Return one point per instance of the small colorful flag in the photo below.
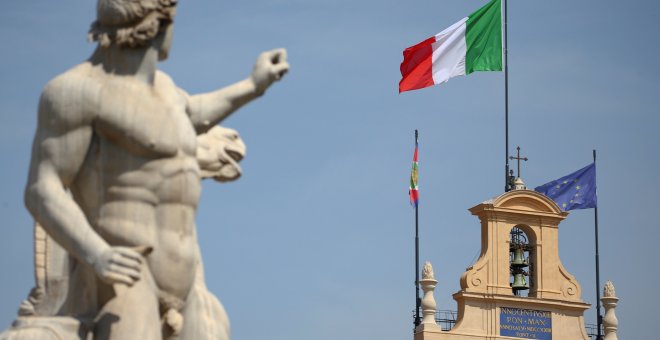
(414, 189)
(574, 191)
(472, 44)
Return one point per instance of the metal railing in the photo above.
(592, 331)
(446, 319)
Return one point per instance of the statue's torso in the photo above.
(140, 182)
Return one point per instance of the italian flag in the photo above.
(472, 44)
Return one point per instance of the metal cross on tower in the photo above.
(519, 159)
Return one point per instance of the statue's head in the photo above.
(134, 23)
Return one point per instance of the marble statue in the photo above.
(114, 183)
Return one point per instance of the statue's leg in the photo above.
(129, 312)
(204, 317)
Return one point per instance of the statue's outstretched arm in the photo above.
(64, 133)
(207, 110)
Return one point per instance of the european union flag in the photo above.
(574, 191)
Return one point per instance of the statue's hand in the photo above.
(120, 265)
(270, 67)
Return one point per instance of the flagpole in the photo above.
(507, 185)
(599, 318)
(417, 298)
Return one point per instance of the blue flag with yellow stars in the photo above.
(574, 191)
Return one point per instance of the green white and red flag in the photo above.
(472, 44)
(413, 192)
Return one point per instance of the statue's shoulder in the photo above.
(164, 80)
(77, 81)
(166, 85)
(72, 94)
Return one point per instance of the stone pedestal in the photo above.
(610, 322)
(428, 302)
(428, 283)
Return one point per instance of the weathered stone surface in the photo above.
(114, 184)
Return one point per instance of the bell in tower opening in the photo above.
(519, 249)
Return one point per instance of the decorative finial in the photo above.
(429, 306)
(609, 289)
(610, 322)
(518, 184)
(427, 272)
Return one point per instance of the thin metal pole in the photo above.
(507, 186)
(599, 319)
(418, 300)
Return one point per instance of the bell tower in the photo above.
(518, 288)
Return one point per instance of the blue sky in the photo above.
(315, 241)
